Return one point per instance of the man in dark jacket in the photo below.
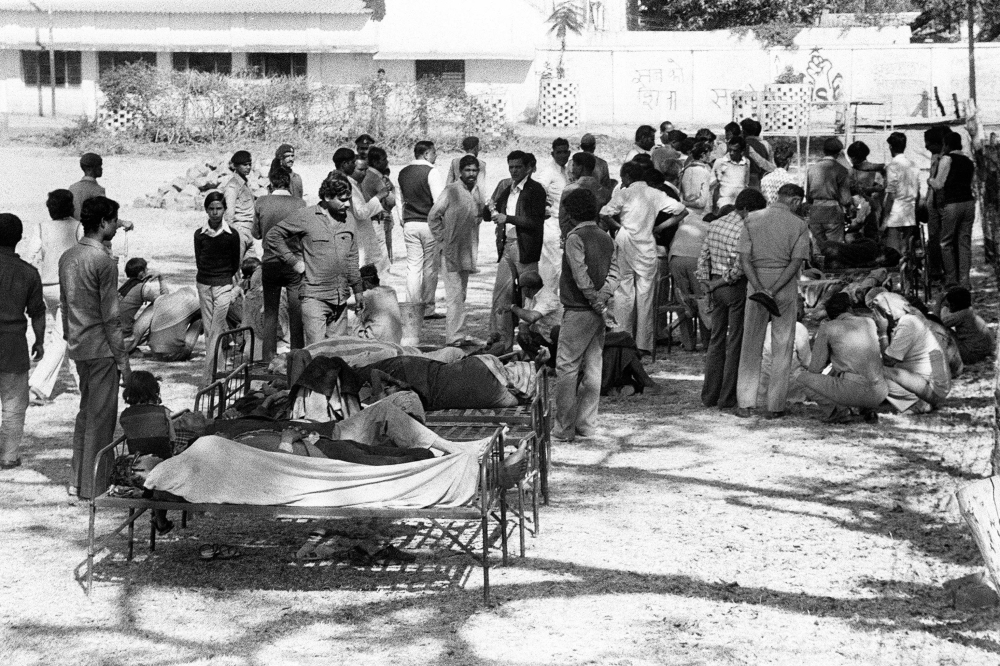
(518, 210)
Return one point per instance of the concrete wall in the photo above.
(638, 84)
(16, 97)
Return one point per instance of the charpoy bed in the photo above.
(487, 506)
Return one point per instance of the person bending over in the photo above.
(914, 363)
(850, 345)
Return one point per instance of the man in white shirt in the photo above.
(420, 185)
(730, 173)
(554, 176)
(645, 139)
(901, 192)
(638, 206)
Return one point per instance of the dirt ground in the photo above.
(679, 535)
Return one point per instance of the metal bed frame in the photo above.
(489, 503)
(537, 416)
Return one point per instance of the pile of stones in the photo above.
(188, 192)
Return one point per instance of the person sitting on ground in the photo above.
(945, 336)
(379, 316)
(915, 368)
(142, 286)
(850, 344)
(148, 428)
(976, 341)
(171, 326)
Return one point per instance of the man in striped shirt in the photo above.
(722, 278)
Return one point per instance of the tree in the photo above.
(938, 20)
(564, 20)
(377, 8)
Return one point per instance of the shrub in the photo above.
(183, 108)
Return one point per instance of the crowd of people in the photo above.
(580, 256)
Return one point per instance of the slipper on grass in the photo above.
(217, 551)
(392, 554)
(315, 537)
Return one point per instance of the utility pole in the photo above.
(52, 60)
(971, 12)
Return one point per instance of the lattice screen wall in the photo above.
(558, 103)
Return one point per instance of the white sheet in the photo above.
(215, 470)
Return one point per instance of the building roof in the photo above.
(189, 6)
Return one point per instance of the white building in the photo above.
(500, 47)
(489, 45)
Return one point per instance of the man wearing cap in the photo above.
(328, 261)
(453, 221)
(589, 278)
(370, 181)
(284, 158)
(828, 193)
(240, 201)
(773, 244)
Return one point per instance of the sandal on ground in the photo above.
(392, 554)
(10, 465)
(315, 537)
(218, 551)
(359, 557)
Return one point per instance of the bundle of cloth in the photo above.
(814, 289)
(474, 382)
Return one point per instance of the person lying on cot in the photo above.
(381, 434)
(474, 382)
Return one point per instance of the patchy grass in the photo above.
(680, 535)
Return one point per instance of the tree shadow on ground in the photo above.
(891, 606)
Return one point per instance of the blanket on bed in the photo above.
(215, 470)
(357, 352)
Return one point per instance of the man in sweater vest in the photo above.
(269, 210)
(420, 184)
(589, 278)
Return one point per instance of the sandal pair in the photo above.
(218, 551)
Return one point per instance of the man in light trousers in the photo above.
(589, 278)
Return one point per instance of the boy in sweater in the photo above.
(589, 278)
(217, 248)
